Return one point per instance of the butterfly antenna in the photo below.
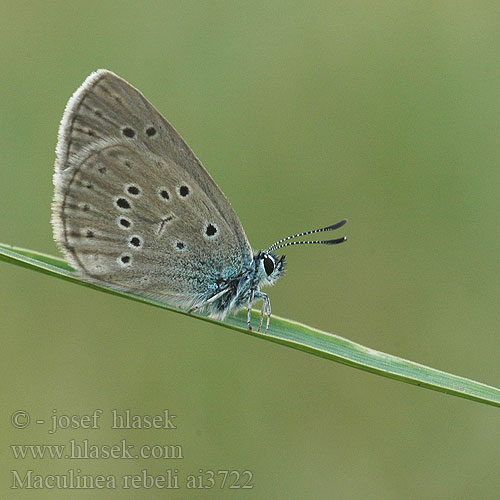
(281, 243)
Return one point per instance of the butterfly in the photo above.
(136, 210)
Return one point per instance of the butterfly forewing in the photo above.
(133, 205)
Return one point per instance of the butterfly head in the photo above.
(269, 267)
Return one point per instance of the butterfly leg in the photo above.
(249, 308)
(209, 301)
(265, 309)
(261, 315)
(268, 314)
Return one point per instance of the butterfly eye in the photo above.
(268, 265)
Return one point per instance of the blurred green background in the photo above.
(386, 113)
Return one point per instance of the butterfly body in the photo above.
(240, 289)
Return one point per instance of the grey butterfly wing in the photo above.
(133, 206)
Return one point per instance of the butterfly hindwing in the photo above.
(133, 206)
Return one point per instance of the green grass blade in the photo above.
(292, 334)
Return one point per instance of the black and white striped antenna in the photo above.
(281, 243)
